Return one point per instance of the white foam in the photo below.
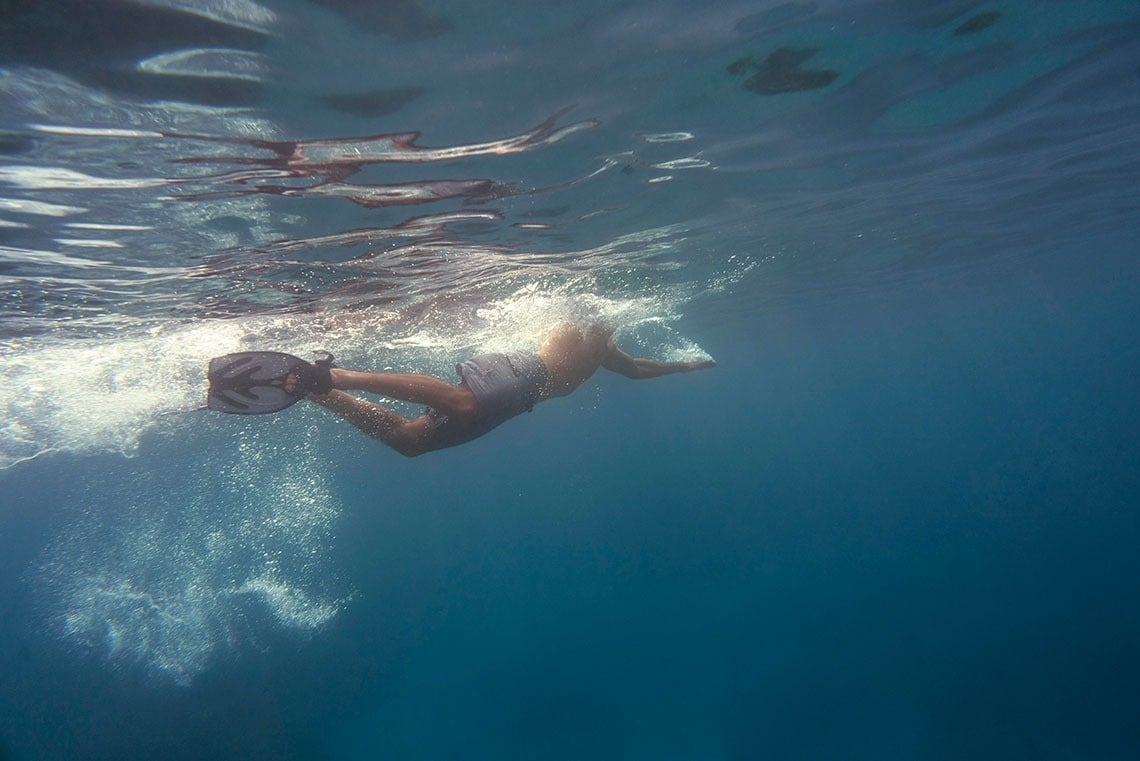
(243, 14)
(88, 243)
(685, 163)
(292, 606)
(166, 585)
(101, 394)
(65, 129)
(221, 63)
(667, 137)
(9, 254)
(60, 178)
(42, 208)
(108, 227)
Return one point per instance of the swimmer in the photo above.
(493, 388)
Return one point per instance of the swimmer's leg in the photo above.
(408, 437)
(455, 401)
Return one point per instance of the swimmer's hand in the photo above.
(702, 364)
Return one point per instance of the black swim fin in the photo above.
(253, 382)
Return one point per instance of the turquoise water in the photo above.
(897, 520)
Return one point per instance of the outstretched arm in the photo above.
(619, 362)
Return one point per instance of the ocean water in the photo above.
(898, 520)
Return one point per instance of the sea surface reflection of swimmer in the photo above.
(493, 387)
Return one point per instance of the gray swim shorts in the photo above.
(505, 385)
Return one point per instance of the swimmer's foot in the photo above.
(292, 380)
(262, 382)
(314, 378)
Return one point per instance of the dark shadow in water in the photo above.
(781, 72)
(372, 104)
(15, 143)
(781, 15)
(101, 43)
(403, 20)
(977, 23)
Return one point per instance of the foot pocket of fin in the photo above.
(254, 382)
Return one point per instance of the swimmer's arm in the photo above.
(619, 362)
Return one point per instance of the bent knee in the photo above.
(410, 447)
(411, 439)
(411, 450)
(463, 403)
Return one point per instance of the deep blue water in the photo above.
(898, 520)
